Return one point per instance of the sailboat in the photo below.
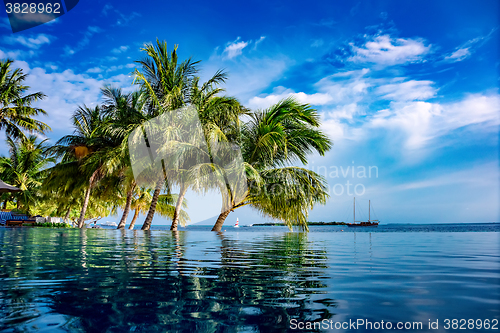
(370, 223)
(237, 225)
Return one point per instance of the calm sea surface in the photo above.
(259, 279)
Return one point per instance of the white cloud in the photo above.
(465, 50)
(346, 87)
(347, 102)
(120, 49)
(91, 30)
(407, 90)
(317, 43)
(65, 91)
(105, 9)
(31, 42)
(422, 122)
(247, 76)
(10, 54)
(459, 55)
(94, 70)
(281, 93)
(235, 48)
(384, 50)
(260, 40)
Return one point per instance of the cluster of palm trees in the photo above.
(89, 174)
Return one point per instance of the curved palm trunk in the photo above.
(126, 210)
(81, 219)
(220, 220)
(66, 217)
(177, 211)
(132, 224)
(149, 218)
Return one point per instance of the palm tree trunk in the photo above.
(220, 221)
(177, 211)
(66, 217)
(149, 218)
(126, 210)
(132, 224)
(81, 219)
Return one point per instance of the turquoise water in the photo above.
(248, 280)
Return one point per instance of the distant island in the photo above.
(271, 224)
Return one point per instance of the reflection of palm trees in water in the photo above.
(267, 284)
(152, 282)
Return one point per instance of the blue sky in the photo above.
(409, 88)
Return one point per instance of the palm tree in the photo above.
(125, 113)
(16, 109)
(165, 207)
(25, 168)
(85, 150)
(272, 140)
(220, 120)
(166, 84)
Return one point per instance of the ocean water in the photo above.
(262, 279)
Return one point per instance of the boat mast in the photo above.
(369, 209)
(354, 211)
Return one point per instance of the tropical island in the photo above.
(308, 223)
(89, 174)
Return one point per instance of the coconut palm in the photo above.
(272, 140)
(125, 112)
(220, 120)
(142, 201)
(166, 84)
(16, 110)
(25, 168)
(86, 149)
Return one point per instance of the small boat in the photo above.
(109, 224)
(369, 223)
(237, 225)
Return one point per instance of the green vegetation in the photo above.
(16, 112)
(88, 175)
(52, 225)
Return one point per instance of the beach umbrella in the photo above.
(4, 188)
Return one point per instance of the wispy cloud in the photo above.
(459, 55)
(399, 90)
(120, 49)
(465, 50)
(67, 90)
(317, 43)
(235, 48)
(34, 42)
(260, 40)
(94, 70)
(280, 93)
(107, 7)
(385, 50)
(422, 122)
(10, 54)
(87, 35)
